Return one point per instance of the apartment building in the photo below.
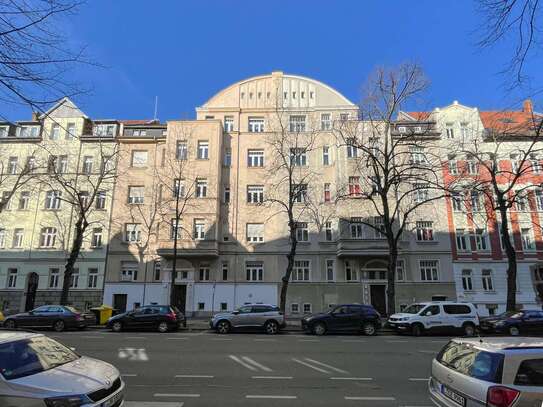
(37, 223)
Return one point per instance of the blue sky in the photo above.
(185, 51)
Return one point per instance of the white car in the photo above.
(37, 371)
(437, 317)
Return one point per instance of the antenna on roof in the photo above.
(156, 107)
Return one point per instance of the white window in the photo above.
(357, 229)
(297, 123)
(101, 200)
(486, 278)
(350, 273)
(302, 232)
(420, 193)
(298, 157)
(54, 275)
(24, 200)
(254, 271)
(129, 271)
(18, 236)
(328, 232)
(178, 190)
(527, 236)
(87, 164)
(453, 165)
(521, 202)
(225, 271)
(132, 232)
(379, 227)
(105, 130)
(228, 123)
(475, 201)
(28, 131)
(2, 238)
(48, 237)
(300, 193)
(327, 193)
(301, 271)
(62, 164)
(175, 229)
(199, 229)
(204, 272)
(400, 270)
(461, 240)
(457, 204)
(343, 117)
(227, 157)
(3, 131)
(74, 278)
(256, 124)
(181, 151)
(307, 308)
(535, 163)
(467, 281)
(255, 232)
(481, 240)
(55, 132)
(429, 270)
(330, 270)
(201, 188)
(136, 195)
(255, 194)
(92, 278)
(425, 231)
(96, 237)
(6, 199)
(401, 129)
(70, 131)
(473, 167)
(352, 150)
(449, 128)
(226, 196)
(464, 130)
(515, 163)
(294, 308)
(12, 165)
(326, 121)
(417, 155)
(12, 278)
(203, 150)
(255, 158)
(539, 199)
(84, 197)
(325, 155)
(139, 158)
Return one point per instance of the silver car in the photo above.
(37, 371)
(494, 372)
(263, 316)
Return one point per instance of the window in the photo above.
(473, 167)
(255, 158)
(54, 276)
(18, 236)
(228, 123)
(453, 165)
(2, 238)
(528, 242)
(328, 231)
(417, 155)
(456, 309)
(350, 273)
(425, 231)
(356, 229)
(129, 271)
(254, 271)
(298, 157)
(300, 193)
(420, 193)
(199, 229)
(181, 152)
(55, 132)
(330, 270)
(354, 186)
(132, 232)
(255, 232)
(225, 271)
(400, 272)
(515, 163)
(327, 195)
(6, 201)
(84, 197)
(24, 200)
(12, 165)
(297, 123)
(307, 308)
(294, 308)
(136, 195)
(31, 163)
(203, 150)
(201, 188)
(530, 373)
(74, 278)
(12, 278)
(481, 240)
(429, 270)
(104, 130)
(488, 283)
(226, 196)
(204, 272)
(475, 201)
(521, 202)
(256, 124)
(325, 155)
(28, 131)
(539, 199)
(139, 158)
(175, 229)
(101, 200)
(178, 188)
(70, 131)
(92, 278)
(302, 232)
(467, 282)
(343, 117)
(201, 306)
(255, 194)
(535, 163)
(449, 128)
(352, 151)
(48, 237)
(461, 241)
(301, 270)
(4, 131)
(224, 306)
(227, 157)
(326, 121)
(456, 198)
(87, 164)
(96, 240)
(379, 227)
(464, 130)
(62, 164)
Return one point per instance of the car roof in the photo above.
(443, 303)
(10, 336)
(259, 304)
(499, 344)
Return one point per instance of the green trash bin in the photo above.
(103, 313)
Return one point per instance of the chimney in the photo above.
(527, 106)
(35, 116)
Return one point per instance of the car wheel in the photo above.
(59, 325)
(417, 329)
(319, 329)
(10, 324)
(117, 326)
(514, 331)
(271, 327)
(469, 329)
(223, 327)
(162, 327)
(369, 329)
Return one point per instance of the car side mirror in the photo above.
(428, 314)
(235, 312)
(30, 312)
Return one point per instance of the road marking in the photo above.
(318, 369)
(252, 396)
(255, 363)
(128, 374)
(221, 339)
(152, 404)
(265, 340)
(352, 378)
(241, 362)
(418, 379)
(177, 339)
(396, 341)
(308, 340)
(335, 369)
(135, 337)
(369, 398)
(92, 337)
(175, 395)
(273, 377)
(354, 340)
(195, 376)
(433, 352)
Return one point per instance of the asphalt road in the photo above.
(206, 369)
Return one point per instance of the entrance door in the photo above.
(31, 288)
(119, 302)
(179, 297)
(378, 298)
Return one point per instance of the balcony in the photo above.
(361, 247)
(189, 248)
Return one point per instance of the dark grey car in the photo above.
(251, 316)
(57, 317)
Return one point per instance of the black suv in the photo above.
(157, 317)
(344, 318)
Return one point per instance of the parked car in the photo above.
(437, 317)
(514, 323)
(495, 372)
(37, 371)
(57, 317)
(250, 316)
(149, 317)
(344, 318)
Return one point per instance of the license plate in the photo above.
(110, 402)
(457, 398)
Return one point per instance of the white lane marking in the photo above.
(354, 340)
(175, 395)
(152, 404)
(352, 378)
(335, 369)
(135, 337)
(433, 352)
(128, 374)
(195, 376)
(418, 379)
(308, 340)
(369, 398)
(273, 377)
(241, 362)
(92, 337)
(318, 369)
(221, 339)
(177, 339)
(255, 363)
(253, 396)
(396, 341)
(265, 340)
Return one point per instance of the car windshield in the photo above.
(413, 308)
(72, 309)
(506, 314)
(30, 356)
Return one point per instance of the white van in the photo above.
(437, 317)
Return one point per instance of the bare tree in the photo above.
(14, 176)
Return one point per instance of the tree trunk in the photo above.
(174, 261)
(391, 279)
(290, 265)
(511, 261)
(80, 228)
